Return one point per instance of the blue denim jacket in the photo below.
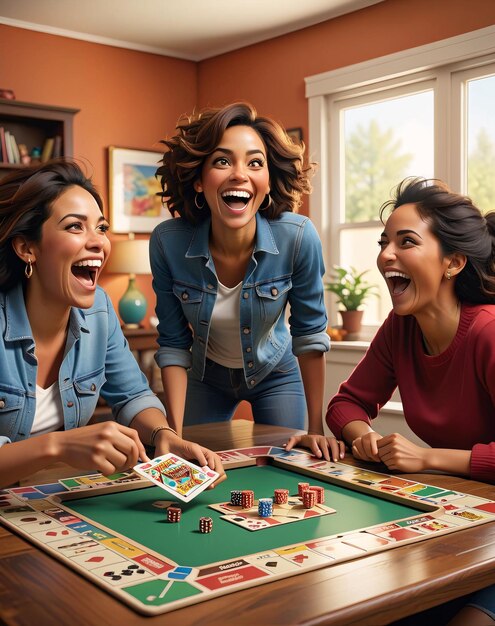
(286, 267)
(97, 359)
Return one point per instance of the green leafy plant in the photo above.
(349, 287)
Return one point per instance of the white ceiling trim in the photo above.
(106, 41)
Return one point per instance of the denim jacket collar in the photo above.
(18, 326)
(265, 242)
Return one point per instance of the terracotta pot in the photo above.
(351, 320)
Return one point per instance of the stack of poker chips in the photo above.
(320, 493)
(301, 488)
(235, 497)
(205, 525)
(247, 499)
(281, 496)
(265, 507)
(173, 514)
(309, 498)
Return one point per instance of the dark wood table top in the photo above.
(378, 589)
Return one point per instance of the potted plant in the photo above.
(351, 291)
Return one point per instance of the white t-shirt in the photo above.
(49, 415)
(224, 341)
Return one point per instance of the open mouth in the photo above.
(86, 271)
(397, 282)
(236, 200)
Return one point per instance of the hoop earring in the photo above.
(199, 206)
(448, 275)
(268, 205)
(28, 270)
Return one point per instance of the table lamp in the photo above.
(131, 256)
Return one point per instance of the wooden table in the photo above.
(374, 590)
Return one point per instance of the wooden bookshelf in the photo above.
(32, 124)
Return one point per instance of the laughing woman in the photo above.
(61, 344)
(225, 270)
(437, 256)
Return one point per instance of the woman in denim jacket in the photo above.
(225, 269)
(61, 344)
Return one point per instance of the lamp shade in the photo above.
(131, 257)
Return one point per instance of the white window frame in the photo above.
(445, 63)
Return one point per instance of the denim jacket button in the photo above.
(246, 331)
(210, 286)
(93, 387)
(245, 295)
(250, 364)
(274, 291)
(252, 382)
(2, 403)
(185, 295)
(248, 349)
(70, 404)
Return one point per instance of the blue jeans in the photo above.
(278, 399)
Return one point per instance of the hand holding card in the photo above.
(183, 479)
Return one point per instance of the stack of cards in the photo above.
(179, 477)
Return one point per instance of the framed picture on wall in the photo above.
(295, 134)
(134, 205)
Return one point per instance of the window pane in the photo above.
(481, 142)
(359, 248)
(385, 142)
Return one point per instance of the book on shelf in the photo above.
(15, 150)
(8, 146)
(57, 147)
(3, 147)
(47, 152)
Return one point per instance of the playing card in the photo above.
(179, 477)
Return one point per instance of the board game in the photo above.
(115, 532)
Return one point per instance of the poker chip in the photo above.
(205, 524)
(235, 497)
(173, 514)
(281, 496)
(320, 493)
(247, 499)
(309, 499)
(301, 488)
(265, 507)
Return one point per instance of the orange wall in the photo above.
(271, 74)
(133, 99)
(126, 98)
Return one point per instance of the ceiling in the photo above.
(186, 29)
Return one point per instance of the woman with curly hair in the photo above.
(225, 269)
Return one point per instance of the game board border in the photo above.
(341, 474)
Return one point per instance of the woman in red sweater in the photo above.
(437, 256)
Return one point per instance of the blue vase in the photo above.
(132, 305)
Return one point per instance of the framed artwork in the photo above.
(134, 205)
(295, 134)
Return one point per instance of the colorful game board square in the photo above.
(122, 573)
(159, 592)
(93, 560)
(272, 563)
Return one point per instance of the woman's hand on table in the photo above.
(398, 453)
(365, 447)
(330, 448)
(167, 441)
(107, 447)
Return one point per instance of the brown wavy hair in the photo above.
(460, 227)
(26, 197)
(198, 136)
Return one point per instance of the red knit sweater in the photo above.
(448, 400)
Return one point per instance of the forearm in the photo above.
(23, 458)
(448, 461)
(354, 429)
(145, 422)
(174, 379)
(312, 366)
